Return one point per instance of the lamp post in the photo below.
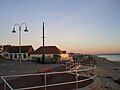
(14, 31)
(43, 56)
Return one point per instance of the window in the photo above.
(15, 56)
(28, 54)
(24, 55)
(11, 56)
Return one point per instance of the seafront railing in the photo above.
(89, 72)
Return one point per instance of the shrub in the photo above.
(39, 60)
(50, 61)
(1, 58)
(56, 58)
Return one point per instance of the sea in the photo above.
(111, 57)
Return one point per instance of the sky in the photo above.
(82, 26)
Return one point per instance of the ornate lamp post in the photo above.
(14, 31)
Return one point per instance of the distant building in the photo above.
(71, 55)
(12, 52)
(1, 50)
(50, 51)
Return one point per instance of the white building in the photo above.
(50, 51)
(12, 52)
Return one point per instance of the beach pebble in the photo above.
(116, 69)
(108, 77)
(117, 80)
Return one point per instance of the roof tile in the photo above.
(48, 50)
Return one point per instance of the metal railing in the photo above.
(89, 72)
(70, 64)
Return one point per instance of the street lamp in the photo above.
(14, 31)
(43, 56)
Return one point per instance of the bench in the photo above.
(45, 70)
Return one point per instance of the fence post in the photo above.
(45, 81)
(76, 80)
(66, 66)
(5, 85)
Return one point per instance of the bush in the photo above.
(1, 58)
(56, 58)
(50, 61)
(39, 60)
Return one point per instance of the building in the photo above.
(12, 52)
(1, 49)
(49, 51)
(71, 55)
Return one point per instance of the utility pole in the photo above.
(43, 56)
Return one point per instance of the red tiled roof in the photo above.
(5, 47)
(48, 50)
(15, 49)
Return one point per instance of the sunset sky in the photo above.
(83, 26)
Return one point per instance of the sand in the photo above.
(13, 67)
(38, 80)
(108, 72)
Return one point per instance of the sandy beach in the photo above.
(108, 72)
(108, 75)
